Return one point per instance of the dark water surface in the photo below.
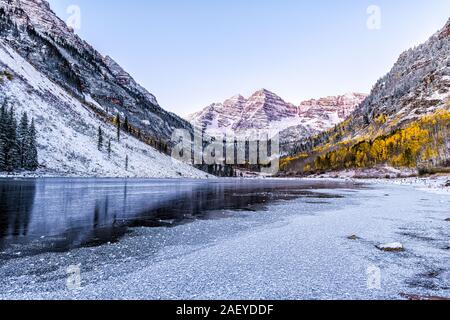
(61, 214)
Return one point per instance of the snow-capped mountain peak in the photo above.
(264, 110)
(38, 14)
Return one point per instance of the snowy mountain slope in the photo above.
(44, 40)
(403, 123)
(418, 84)
(68, 129)
(264, 110)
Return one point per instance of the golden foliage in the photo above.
(424, 141)
(284, 162)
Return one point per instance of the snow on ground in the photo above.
(295, 250)
(378, 172)
(68, 130)
(439, 184)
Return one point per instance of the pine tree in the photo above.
(31, 158)
(117, 121)
(109, 148)
(22, 134)
(126, 125)
(3, 126)
(12, 157)
(100, 139)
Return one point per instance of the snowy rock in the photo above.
(391, 247)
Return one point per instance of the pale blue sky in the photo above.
(192, 53)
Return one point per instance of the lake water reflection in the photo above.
(60, 214)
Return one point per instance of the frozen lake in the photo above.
(61, 214)
(224, 239)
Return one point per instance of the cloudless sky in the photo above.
(192, 53)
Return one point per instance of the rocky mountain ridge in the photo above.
(264, 110)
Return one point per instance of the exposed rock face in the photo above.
(239, 114)
(320, 115)
(44, 40)
(264, 110)
(327, 108)
(445, 32)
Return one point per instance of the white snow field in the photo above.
(297, 249)
(68, 130)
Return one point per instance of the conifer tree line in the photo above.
(18, 147)
(124, 127)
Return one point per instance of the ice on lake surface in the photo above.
(224, 239)
(60, 214)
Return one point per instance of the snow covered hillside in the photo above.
(47, 43)
(403, 123)
(68, 129)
